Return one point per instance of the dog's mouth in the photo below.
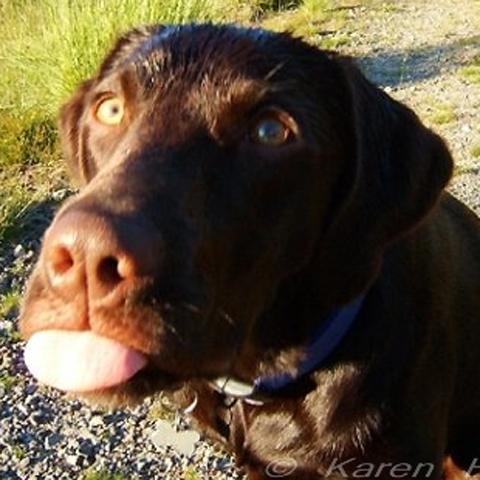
(95, 368)
(94, 363)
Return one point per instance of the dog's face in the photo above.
(217, 166)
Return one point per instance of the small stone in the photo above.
(23, 463)
(87, 448)
(53, 439)
(61, 194)
(169, 463)
(222, 463)
(30, 390)
(73, 460)
(38, 419)
(96, 421)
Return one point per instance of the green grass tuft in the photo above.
(8, 382)
(92, 474)
(9, 302)
(191, 473)
(162, 409)
(19, 452)
(310, 20)
(475, 151)
(439, 113)
(471, 73)
(22, 188)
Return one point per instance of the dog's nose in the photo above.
(86, 251)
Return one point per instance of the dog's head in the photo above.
(223, 171)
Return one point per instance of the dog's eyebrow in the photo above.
(240, 95)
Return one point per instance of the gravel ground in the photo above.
(416, 50)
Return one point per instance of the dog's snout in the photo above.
(85, 251)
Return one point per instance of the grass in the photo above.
(29, 165)
(443, 115)
(8, 381)
(191, 473)
(16, 336)
(439, 113)
(92, 474)
(475, 151)
(471, 72)
(313, 19)
(19, 452)
(9, 302)
(162, 409)
(23, 186)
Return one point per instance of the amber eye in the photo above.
(109, 110)
(271, 131)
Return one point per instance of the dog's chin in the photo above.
(144, 384)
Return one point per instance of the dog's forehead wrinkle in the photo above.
(160, 68)
(217, 96)
(195, 51)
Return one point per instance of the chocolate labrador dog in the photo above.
(265, 233)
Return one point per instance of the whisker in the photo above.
(226, 316)
(274, 70)
(191, 308)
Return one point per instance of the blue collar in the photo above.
(331, 332)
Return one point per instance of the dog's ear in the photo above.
(402, 168)
(72, 138)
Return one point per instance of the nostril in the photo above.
(63, 268)
(108, 272)
(60, 261)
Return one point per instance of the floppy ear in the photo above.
(73, 139)
(401, 170)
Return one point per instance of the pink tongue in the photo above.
(80, 361)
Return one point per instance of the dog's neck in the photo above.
(325, 340)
